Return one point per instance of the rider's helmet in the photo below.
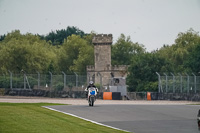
(91, 83)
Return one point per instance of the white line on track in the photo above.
(85, 119)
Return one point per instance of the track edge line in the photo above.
(85, 119)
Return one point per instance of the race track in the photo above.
(140, 118)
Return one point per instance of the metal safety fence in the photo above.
(41, 84)
(178, 83)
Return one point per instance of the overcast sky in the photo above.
(148, 22)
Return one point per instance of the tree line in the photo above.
(71, 50)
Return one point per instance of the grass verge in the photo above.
(32, 118)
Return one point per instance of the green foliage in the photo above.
(151, 86)
(4, 82)
(2, 37)
(184, 46)
(70, 85)
(142, 71)
(32, 81)
(17, 81)
(25, 52)
(76, 54)
(59, 86)
(57, 37)
(30, 53)
(192, 62)
(183, 56)
(124, 49)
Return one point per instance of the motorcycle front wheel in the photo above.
(91, 102)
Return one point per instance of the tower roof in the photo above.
(102, 39)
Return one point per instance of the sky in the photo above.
(152, 23)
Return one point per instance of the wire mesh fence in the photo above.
(41, 84)
(171, 87)
(179, 84)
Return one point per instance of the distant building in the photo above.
(103, 72)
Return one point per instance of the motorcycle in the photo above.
(92, 96)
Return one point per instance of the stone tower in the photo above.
(103, 71)
(102, 52)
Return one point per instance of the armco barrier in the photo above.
(154, 96)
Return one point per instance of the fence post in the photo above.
(50, 82)
(64, 79)
(195, 83)
(76, 80)
(173, 81)
(10, 79)
(38, 80)
(181, 82)
(166, 82)
(25, 79)
(188, 80)
(159, 82)
(22, 71)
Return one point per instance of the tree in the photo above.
(57, 37)
(2, 37)
(77, 53)
(192, 62)
(124, 49)
(142, 72)
(185, 44)
(26, 52)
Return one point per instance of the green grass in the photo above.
(32, 118)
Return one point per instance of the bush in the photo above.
(59, 86)
(32, 81)
(151, 86)
(17, 82)
(70, 85)
(4, 82)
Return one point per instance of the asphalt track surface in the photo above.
(140, 118)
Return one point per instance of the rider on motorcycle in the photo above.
(91, 84)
